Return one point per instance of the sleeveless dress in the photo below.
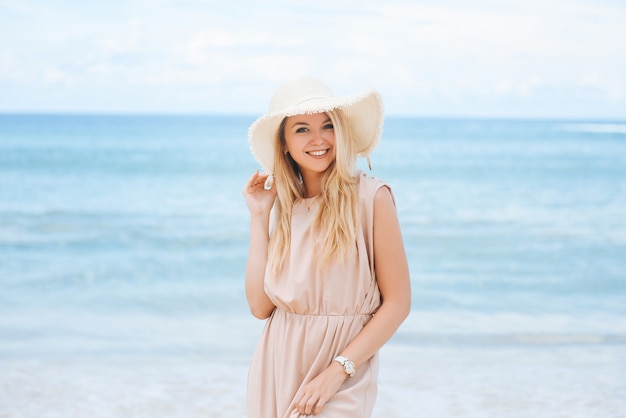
(318, 313)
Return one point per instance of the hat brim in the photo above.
(364, 114)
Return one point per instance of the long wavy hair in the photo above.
(336, 222)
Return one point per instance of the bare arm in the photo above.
(259, 203)
(392, 275)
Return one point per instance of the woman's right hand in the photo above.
(258, 199)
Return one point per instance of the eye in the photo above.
(329, 126)
(301, 130)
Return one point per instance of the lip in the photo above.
(319, 153)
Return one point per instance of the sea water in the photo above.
(123, 243)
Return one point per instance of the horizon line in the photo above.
(254, 116)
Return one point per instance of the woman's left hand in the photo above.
(315, 394)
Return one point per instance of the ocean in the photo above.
(123, 242)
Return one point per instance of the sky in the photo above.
(447, 58)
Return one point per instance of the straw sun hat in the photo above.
(307, 95)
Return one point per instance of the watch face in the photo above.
(349, 368)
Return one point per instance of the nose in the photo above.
(321, 135)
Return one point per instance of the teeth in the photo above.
(318, 153)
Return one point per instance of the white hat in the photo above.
(307, 95)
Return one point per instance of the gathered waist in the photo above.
(279, 310)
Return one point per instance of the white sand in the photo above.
(436, 381)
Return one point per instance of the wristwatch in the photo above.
(348, 365)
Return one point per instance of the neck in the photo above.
(312, 184)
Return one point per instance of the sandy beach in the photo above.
(562, 380)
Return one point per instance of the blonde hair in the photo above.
(337, 220)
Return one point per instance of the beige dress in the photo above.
(318, 313)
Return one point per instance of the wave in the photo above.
(596, 128)
(523, 339)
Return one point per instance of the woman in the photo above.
(328, 268)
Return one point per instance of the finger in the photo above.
(319, 405)
(254, 182)
(310, 405)
(250, 181)
(262, 177)
(301, 404)
(254, 178)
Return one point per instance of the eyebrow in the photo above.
(306, 124)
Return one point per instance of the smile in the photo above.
(318, 153)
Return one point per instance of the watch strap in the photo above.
(347, 364)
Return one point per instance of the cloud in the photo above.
(53, 75)
(218, 55)
(437, 57)
(124, 43)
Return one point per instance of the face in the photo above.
(310, 140)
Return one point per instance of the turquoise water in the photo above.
(128, 234)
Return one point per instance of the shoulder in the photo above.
(372, 188)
